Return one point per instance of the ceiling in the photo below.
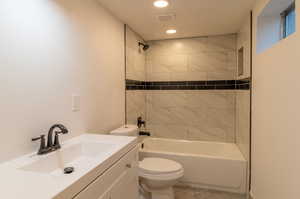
(193, 17)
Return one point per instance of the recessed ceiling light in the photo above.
(171, 31)
(161, 3)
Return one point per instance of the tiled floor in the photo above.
(190, 193)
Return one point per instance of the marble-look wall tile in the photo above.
(205, 58)
(243, 122)
(159, 76)
(212, 99)
(220, 75)
(209, 62)
(194, 115)
(169, 131)
(135, 57)
(177, 46)
(222, 42)
(135, 105)
(167, 63)
(199, 132)
(135, 70)
(243, 96)
(184, 76)
(165, 98)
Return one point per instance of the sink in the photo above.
(79, 155)
(42, 176)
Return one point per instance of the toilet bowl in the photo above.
(158, 176)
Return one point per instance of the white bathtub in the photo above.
(212, 165)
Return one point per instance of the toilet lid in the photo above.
(159, 166)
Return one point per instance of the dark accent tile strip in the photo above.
(242, 84)
(243, 81)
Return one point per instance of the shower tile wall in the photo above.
(135, 70)
(204, 58)
(136, 105)
(243, 96)
(194, 114)
(243, 122)
(211, 115)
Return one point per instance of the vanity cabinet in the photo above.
(126, 187)
(120, 181)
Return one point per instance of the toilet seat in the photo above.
(160, 169)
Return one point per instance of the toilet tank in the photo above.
(126, 130)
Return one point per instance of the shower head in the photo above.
(145, 46)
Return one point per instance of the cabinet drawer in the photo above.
(103, 183)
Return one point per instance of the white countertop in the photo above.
(19, 184)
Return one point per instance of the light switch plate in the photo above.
(75, 103)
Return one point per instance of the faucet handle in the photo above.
(42, 137)
(141, 122)
(43, 149)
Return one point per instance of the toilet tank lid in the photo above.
(128, 128)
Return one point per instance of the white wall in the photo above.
(51, 49)
(276, 136)
(269, 32)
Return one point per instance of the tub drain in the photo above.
(68, 170)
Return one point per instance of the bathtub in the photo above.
(210, 165)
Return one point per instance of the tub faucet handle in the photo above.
(141, 122)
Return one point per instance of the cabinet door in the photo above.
(126, 187)
(105, 182)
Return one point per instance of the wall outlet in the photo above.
(75, 103)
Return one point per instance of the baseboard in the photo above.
(209, 187)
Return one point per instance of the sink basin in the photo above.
(79, 155)
(42, 176)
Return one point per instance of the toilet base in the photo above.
(167, 193)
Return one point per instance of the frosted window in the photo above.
(276, 22)
(289, 21)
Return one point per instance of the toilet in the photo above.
(157, 175)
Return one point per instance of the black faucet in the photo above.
(55, 145)
(43, 149)
(51, 146)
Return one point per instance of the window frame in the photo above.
(284, 15)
